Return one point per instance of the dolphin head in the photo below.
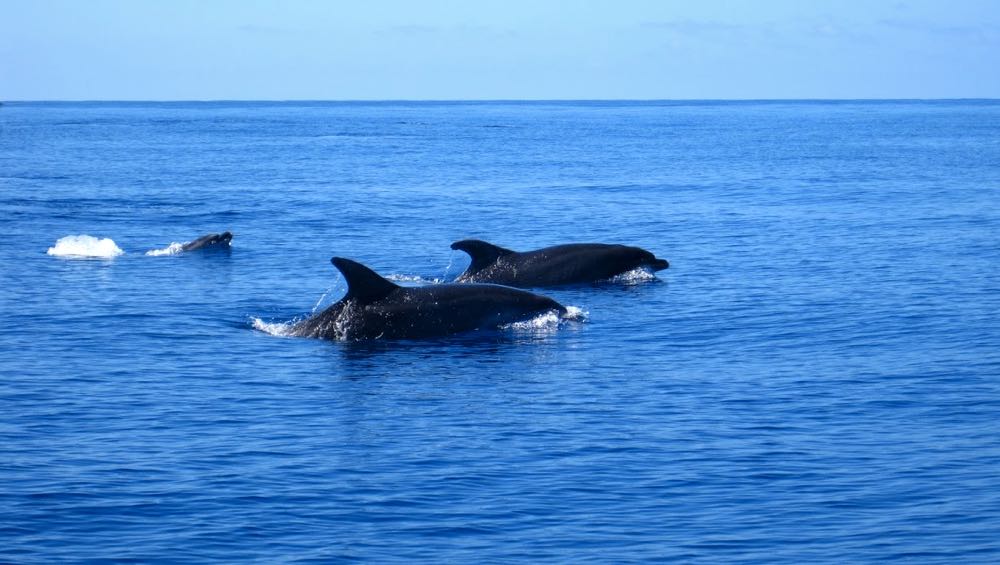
(536, 303)
(210, 241)
(648, 260)
(659, 264)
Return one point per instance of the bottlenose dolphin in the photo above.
(375, 308)
(212, 240)
(575, 263)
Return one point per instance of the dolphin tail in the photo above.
(483, 254)
(363, 284)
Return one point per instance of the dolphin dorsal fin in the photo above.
(363, 284)
(483, 254)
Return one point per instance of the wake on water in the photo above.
(545, 322)
(172, 249)
(88, 246)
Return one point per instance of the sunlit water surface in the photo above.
(815, 379)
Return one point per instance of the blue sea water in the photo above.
(816, 378)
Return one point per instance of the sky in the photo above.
(490, 50)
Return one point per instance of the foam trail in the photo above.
(172, 249)
(85, 246)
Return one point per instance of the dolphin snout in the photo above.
(660, 264)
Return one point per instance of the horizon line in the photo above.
(480, 100)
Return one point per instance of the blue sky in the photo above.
(510, 49)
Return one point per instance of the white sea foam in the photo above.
(634, 276)
(576, 314)
(272, 328)
(85, 246)
(547, 321)
(172, 249)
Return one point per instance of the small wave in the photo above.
(85, 246)
(172, 249)
(34, 177)
(634, 276)
(281, 329)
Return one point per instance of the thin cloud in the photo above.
(982, 32)
(695, 27)
(680, 32)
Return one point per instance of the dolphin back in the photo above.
(573, 263)
(363, 284)
(376, 308)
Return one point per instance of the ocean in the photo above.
(816, 377)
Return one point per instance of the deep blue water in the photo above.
(815, 379)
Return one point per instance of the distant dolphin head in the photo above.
(223, 239)
(210, 241)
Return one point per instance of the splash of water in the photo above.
(634, 276)
(547, 321)
(85, 246)
(322, 299)
(576, 314)
(280, 329)
(172, 249)
(447, 270)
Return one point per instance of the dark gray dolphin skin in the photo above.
(210, 241)
(575, 263)
(375, 308)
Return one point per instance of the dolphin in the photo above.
(376, 308)
(210, 241)
(575, 263)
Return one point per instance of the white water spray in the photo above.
(85, 246)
